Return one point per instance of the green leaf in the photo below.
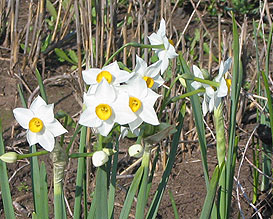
(73, 56)
(4, 182)
(101, 193)
(44, 192)
(51, 9)
(80, 175)
(131, 194)
(176, 215)
(164, 180)
(62, 55)
(198, 118)
(208, 203)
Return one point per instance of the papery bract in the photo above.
(40, 123)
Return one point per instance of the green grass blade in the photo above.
(198, 118)
(35, 171)
(266, 84)
(131, 194)
(101, 193)
(176, 216)
(44, 191)
(112, 186)
(80, 175)
(235, 91)
(164, 180)
(41, 85)
(208, 203)
(4, 182)
(152, 172)
(141, 199)
(256, 151)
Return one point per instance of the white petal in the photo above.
(122, 76)
(105, 128)
(148, 115)
(165, 61)
(137, 87)
(223, 89)
(155, 39)
(37, 103)
(171, 52)
(153, 70)
(56, 128)
(205, 105)
(105, 92)
(123, 132)
(23, 116)
(45, 113)
(123, 113)
(135, 124)
(90, 76)
(141, 65)
(162, 28)
(211, 104)
(197, 72)
(151, 97)
(158, 81)
(46, 140)
(32, 138)
(196, 85)
(89, 118)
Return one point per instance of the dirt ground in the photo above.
(186, 181)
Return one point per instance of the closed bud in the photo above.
(136, 151)
(99, 158)
(9, 157)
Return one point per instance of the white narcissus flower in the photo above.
(40, 123)
(105, 107)
(142, 100)
(150, 74)
(213, 97)
(168, 52)
(197, 73)
(111, 73)
(99, 158)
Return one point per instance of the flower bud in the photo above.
(136, 151)
(99, 158)
(9, 157)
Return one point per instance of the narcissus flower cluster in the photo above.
(213, 95)
(114, 96)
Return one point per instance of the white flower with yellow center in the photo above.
(150, 74)
(40, 123)
(168, 52)
(105, 107)
(111, 73)
(142, 100)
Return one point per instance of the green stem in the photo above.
(22, 156)
(133, 44)
(79, 155)
(201, 90)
